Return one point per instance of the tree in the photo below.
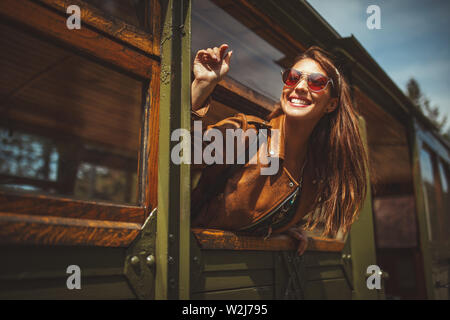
(416, 96)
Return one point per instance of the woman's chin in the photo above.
(297, 111)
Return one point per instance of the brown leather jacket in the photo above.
(233, 197)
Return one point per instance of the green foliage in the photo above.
(416, 96)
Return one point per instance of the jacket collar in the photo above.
(277, 141)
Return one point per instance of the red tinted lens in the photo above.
(317, 81)
(291, 77)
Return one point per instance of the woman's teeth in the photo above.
(299, 101)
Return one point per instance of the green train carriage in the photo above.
(86, 178)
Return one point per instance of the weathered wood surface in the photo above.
(36, 205)
(45, 230)
(218, 239)
(228, 86)
(151, 145)
(146, 41)
(86, 39)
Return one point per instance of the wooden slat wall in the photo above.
(40, 273)
(389, 153)
(263, 275)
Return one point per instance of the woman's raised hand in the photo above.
(212, 64)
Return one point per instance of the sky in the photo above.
(414, 40)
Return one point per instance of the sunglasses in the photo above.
(316, 81)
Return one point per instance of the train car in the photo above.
(92, 207)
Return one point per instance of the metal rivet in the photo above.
(291, 184)
(171, 238)
(170, 260)
(172, 283)
(134, 260)
(196, 260)
(150, 260)
(346, 256)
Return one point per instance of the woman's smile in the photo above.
(298, 101)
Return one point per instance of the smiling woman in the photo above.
(322, 171)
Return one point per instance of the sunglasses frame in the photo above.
(307, 75)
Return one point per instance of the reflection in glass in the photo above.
(69, 126)
(134, 12)
(444, 176)
(254, 61)
(429, 193)
(444, 182)
(27, 156)
(395, 222)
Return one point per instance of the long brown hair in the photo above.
(336, 151)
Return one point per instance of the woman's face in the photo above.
(300, 103)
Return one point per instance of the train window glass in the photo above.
(134, 12)
(444, 179)
(429, 190)
(443, 176)
(395, 221)
(69, 126)
(254, 63)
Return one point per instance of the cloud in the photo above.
(414, 40)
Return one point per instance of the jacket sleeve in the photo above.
(204, 138)
(205, 178)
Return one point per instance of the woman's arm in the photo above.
(210, 66)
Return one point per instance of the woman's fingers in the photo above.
(301, 237)
(303, 245)
(222, 49)
(227, 57)
(216, 54)
(212, 54)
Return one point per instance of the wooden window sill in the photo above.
(225, 240)
(47, 230)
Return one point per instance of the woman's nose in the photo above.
(302, 85)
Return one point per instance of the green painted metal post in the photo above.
(173, 223)
(185, 208)
(362, 242)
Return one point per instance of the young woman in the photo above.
(322, 168)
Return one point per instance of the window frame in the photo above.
(42, 219)
(231, 92)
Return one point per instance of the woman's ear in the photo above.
(332, 105)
